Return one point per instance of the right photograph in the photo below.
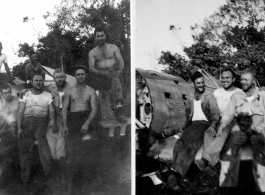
(200, 97)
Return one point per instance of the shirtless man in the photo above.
(106, 59)
(7, 78)
(8, 119)
(33, 120)
(80, 100)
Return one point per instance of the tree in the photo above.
(233, 36)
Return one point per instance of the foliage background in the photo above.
(232, 37)
(70, 36)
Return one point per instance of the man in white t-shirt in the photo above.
(33, 120)
(212, 144)
(202, 115)
(4, 78)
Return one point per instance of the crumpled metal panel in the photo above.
(168, 94)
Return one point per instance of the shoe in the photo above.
(173, 180)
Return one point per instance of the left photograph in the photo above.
(65, 98)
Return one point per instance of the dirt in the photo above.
(199, 184)
(106, 171)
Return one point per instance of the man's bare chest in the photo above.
(79, 96)
(104, 55)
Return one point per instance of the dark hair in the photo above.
(195, 76)
(38, 74)
(249, 71)
(58, 70)
(4, 86)
(99, 29)
(229, 70)
(81, 67)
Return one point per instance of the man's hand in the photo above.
(19, 133)
(65, 131)
(220, 132)
(84, 128)
(51, 124)
(113, 73)
(211, 131)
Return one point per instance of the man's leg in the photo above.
(258, 146)
(213, 146)
(187, 146)
(117, 98)
(40, 126)
(72, 142)
(52, 141)
(230, 159)
(25, 146)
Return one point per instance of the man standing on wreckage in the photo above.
(202, 115)
(248, 106)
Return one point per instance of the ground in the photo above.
(199, 184)
(108, 164)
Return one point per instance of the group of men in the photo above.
(59, 118)
(222, 123)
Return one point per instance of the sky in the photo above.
(150, 19)
(14, 31)
(151, 33)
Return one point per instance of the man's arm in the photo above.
(93, 103)
(118, 57)
(7, 68)
(52, 117)
(261, 127)
(20, 115)
(66, 103)
(228, 116)
(28, 73)
(215, 115)
(214, 111)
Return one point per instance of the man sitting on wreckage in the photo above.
(202, 115)
(212, 144)
(248, 107)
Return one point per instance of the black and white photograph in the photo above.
(200, 102)
(65, 97)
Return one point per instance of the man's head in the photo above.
(6, 91)
(227, 78)
(80, 74)
(247, 79)
(100, 36)
(59, 77)
(34, 58)
(38, 81)
(198, 81)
